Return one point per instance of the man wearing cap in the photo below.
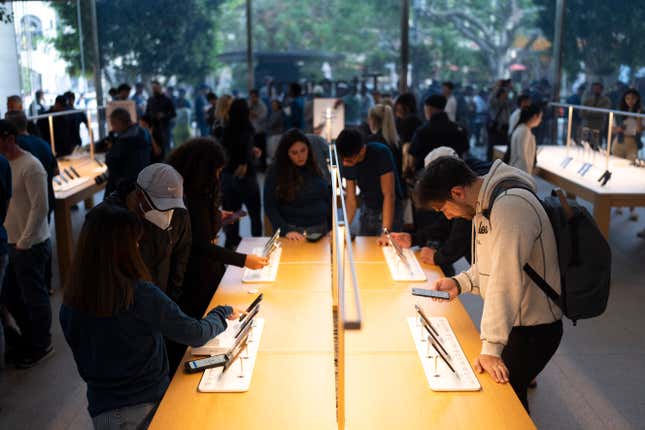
(157, 198)
(437, 131)
(27, 296)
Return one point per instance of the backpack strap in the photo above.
(530, 272)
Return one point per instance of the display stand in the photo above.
(440, 377)
(268, 273)
(223, 342)
(237, 377)
(406, 269)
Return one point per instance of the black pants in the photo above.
(527, 352)
(238, 191)
(260, 140)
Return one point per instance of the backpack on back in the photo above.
(584, 255)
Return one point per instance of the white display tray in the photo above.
(268, 273)
(440, 377)
(71, 183)
(237, 378)
(399, 270)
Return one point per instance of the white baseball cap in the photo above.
(442, 151)
(163, 186)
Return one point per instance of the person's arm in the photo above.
(350, 200)
(456, 246)
(180, 254)
(506, 286)
(36, 185)
(164, 315)
(528, 150)
(271, 204)
(5, 192)
(389, 196)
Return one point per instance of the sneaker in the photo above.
(30, 360)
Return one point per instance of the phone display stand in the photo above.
(440, 377)
(71, 183)
(268, 273)
(223, 342)
(411, 272)
(237, 378)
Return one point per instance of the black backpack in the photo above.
(584, 255)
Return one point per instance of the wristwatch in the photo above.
(458, 285)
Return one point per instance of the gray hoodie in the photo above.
(517, 232)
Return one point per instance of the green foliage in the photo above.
(143, 38)
(6, 17)
(599, 35)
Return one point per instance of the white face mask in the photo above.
(158, 218)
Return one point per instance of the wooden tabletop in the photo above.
(293, 384)
(386, 384)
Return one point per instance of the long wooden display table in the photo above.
(625, 188)
(385, 381)
(293, 380)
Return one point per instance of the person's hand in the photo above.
(382, 240)
(255, 262)
(236, 314)
(294, 235)
(494, 366)
(426, 255)
(256, 152)
(240, 171)
(403, 239)
(225, 215)
(448, 285)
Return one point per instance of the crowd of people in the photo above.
(149, 257)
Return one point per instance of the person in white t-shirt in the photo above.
(451, 101)
(523, 150)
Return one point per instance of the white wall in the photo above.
(9, 69)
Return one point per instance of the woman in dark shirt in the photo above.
(296, 196)
(239, 180)
(200, 162)
(114, 321)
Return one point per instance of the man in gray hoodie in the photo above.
(521, 327)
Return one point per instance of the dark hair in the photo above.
(439, 178)
(295, 89)
(39, 93)
(155, 82)
(522, 98)
(349, 142)
(124, 87)
(197, 160)
(112, 91)
(527, 113)
(408, 102)
(500, 91)
(623, 103)
(61, 100)
(107, 262)
(597, 83)
(18, 119)
(69, 96)
(436, 101)
(238, 116)
(211, 96)
(121, 115)
(448, 85)
(288, 177)
(14, 99)
(254, 92)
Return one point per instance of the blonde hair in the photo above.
(383, 119)
(223, 106)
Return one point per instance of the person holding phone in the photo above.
(200, 161)
(296, 196)
(114, 320)
(521, 327)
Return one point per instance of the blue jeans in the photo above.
(136, 417)
(4, 261)
(27, 296)
(371, 220)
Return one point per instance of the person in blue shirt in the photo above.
(5, 196)
(296, 111)
(114, 321)
(371, 167)
(297, 198)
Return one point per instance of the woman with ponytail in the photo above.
(383, 128)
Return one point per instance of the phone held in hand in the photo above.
(442, 295)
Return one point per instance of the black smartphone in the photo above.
(74, 171)
(253, 304)
(205, 363)
(234, 217)
(425, 319)
(244, 327)
(431, 293)
(314, 237)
